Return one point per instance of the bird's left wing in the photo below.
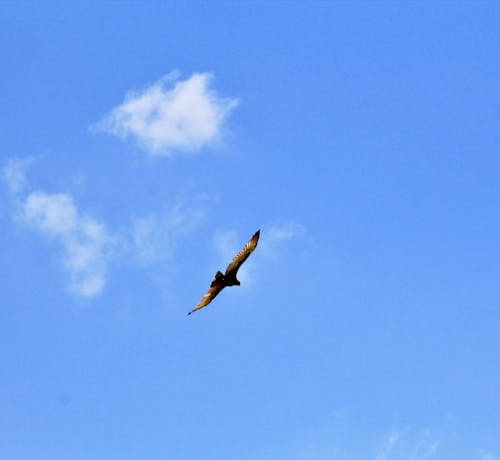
(215, 288)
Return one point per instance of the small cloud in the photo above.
(14, 174)
(171, 115)
(278, 235)
(155, 237)
(85, 244)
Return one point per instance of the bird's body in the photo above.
(221, 280)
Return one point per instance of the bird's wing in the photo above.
(215, 288)
(239, 258)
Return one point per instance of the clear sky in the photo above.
(143, 144)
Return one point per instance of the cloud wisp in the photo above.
(85, 245)
(388, 445)
(171, 116)
(279, 235)
(156, 236)
(406, 444)
(14, 176)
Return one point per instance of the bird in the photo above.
(221, 280)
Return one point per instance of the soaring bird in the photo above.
(229, 278)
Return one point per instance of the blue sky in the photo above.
(143, 144)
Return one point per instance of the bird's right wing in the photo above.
(215, 288)
(239, 258)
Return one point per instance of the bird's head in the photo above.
(238, 282)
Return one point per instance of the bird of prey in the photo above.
(229, 278)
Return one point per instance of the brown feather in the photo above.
(239, 258)
(215, 288)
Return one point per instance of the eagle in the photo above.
(220, 280)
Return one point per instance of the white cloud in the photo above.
(85, 244)
(14, 174)
(171, 115)
(155, 237)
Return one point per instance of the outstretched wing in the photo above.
(239, 258)
(215, 288)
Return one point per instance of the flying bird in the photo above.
(220, 280)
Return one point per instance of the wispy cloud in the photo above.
(85, 245)
(406, 444)
(14, 176)
(388, 445)
(171, 115)
(278, 235)
(426, 448)
(156, 236)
